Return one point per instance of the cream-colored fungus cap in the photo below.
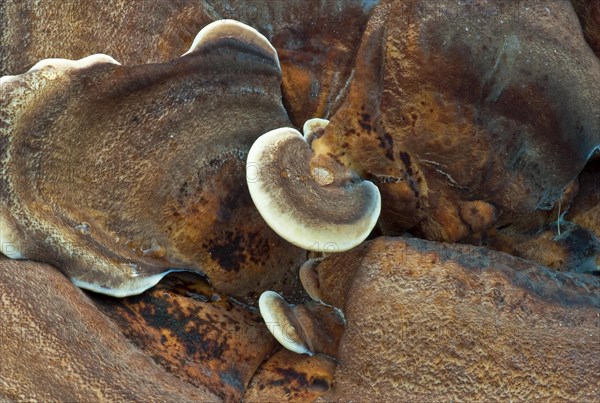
(64, 65)
(309, 278)
(280, 321)
(223, 29)
(311, 201)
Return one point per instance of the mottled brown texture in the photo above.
(477, 215)
(287, 376)
(432, 321)
(456, 102)
(169, 142)
(322, 327)
(316, 46)
(56, 346)
(194, 332)
(459, 331)
(564, 247)
(588, 12)
(585, 210)
(570, 238)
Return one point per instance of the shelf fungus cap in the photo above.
(310, 200)
(240, 32)
(281, 322)
(309, 278)
(62, 65)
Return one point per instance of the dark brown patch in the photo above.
(582, 242)
(233, 378)
(321, 384)
(364, 121)
(236, 197)
(194, 335)
(229, 254)
(387, 143)
(292, 377)
(405, 157)
(318, 133)
(296, 381)
(365, 126)
(258, 247)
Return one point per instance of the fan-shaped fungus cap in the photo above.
(223, 29)
(310, 328)
(278, 316)
(310, 200)
(114, 242)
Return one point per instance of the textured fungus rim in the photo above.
(324, 208)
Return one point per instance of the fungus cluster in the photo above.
(309, 199)
(121, 174)
(312, 201)
(216, 114)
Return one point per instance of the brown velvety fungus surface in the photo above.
(157, 181)
(474, 119)
(316, 47)
(430, 321)
(55, 345)
(453, 102)
(586, 205)
(588, 12)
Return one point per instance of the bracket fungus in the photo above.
(201, 336)
(483, 324)
(119, 174)
(311, 200)
(58, 346)
(471, 119)
(311, 328)
(279, 318)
